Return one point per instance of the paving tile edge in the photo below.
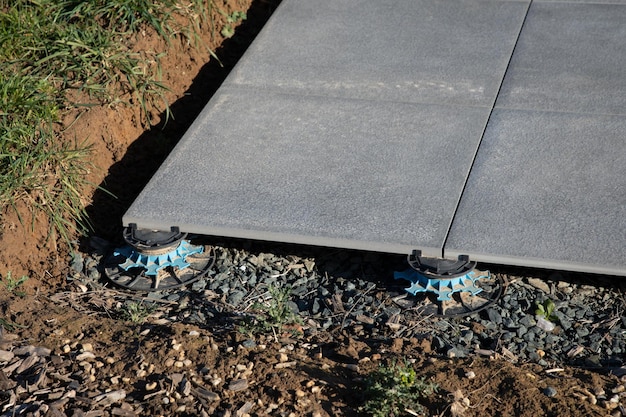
(261, 235)
(557, 265)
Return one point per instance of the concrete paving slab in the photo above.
(341, 127)
(452, 52)
(547, 190)
(354, 124)
(570, 57)
(583, 1)
(314, 170)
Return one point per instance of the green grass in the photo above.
(136, 312)
(13, 285)
(235, 17)
(546, 310)
(48, 47)
(273, 314)
(9, 325)
(394, 390)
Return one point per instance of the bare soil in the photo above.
(321, 375)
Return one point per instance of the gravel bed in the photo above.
(355, 292)
(339, 296)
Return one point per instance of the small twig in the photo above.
(419, 323)
(363, 294)
(482, 399)
(486, 383)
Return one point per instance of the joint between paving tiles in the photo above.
(493, 106)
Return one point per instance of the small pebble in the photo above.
(206, 394)
(249, 344)
(238, 385)
(494, 316)
(6, 356)
(544, 324)
(84, 356)
(284, 365)
(549, 391)
(539, 284)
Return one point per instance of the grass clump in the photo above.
(228, 31)
(136, 312)
(546, 310)
(273, 314)
(9, 325)
(35, 167)
(51, 47)
(13, 284)
(122, 15)
(394, 390)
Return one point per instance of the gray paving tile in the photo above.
(414, 50)
(583, 1)
(547, 190)
(353, 124)
(570, 57)
(316, 170)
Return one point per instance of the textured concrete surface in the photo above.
(452, 52)
(355, 124)
(350, 124)
(570, 57)
(547, 189)
(317, 170)
(582, 1)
